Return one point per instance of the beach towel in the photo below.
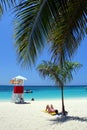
(54, 113)
(51, 113)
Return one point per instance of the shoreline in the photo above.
(31, 115)
(46, 99)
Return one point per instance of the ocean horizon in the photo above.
(40, 92)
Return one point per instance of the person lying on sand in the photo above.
(50, 109)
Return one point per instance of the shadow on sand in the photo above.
(23, 103)
(68, 118)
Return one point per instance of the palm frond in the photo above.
(51, 70)
(33, 20)
(69, 30)
(68, 69)
(5, 4)
(36, 18)
(1, 11)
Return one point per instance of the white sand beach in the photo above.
(30, 116)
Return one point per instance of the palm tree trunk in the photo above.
(63, 107)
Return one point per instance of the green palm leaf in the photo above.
(5, 4)
(69, 30)
(33, 20)
(38, 18)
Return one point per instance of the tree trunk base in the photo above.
(64, 113)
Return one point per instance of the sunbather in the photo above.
(51, 109)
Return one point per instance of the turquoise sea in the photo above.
(45, 92)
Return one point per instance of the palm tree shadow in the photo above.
(68, 118)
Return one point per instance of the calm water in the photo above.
(45, 92)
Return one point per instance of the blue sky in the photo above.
(9, 67)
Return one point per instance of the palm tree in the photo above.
(58, 74)
(58, 19)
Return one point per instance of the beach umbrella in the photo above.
(20, 77)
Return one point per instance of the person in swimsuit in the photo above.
(50, 109)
